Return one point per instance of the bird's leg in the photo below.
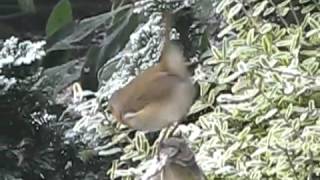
(164, 134)
(174, 129)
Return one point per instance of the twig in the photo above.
(281, 18)
(294, 13)
(248, 15)
(312, 165)
(295, 173)
(317, 4)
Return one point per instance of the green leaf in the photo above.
(279, 34)
(204, 88)
(234, 10)
(225, 31)
(250, 36)
(197, 107)
(245, 51)
(283, 4)
(311, 105)
(60, 16)
(289, 111)
(313, 23)
(312, 32)
(240, 22)
(308, 8)
(281, 55)
(295, 43)
(222, 5)
(283, 43)
(304, 1)
(311, 53)
(283, 11)
(268, 11)
(266, 44)
(244, 132)
(266, 28)
(216, 53)
(224, 48)
(258, 8)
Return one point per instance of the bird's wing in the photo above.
(157, 88)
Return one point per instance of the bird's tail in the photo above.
(172, 56)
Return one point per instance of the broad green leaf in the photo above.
(60, 16)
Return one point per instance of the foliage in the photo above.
(22, 109)
(257, 114)
(13, 55)
(31, 137)
(265, 125)
(31, 140)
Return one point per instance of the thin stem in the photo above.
(281, 18)
(312, 165)
(294, 13)
(295, 173)
(317, 4)
(248, 15)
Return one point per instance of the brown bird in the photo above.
(159, 96)
(180, 162)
